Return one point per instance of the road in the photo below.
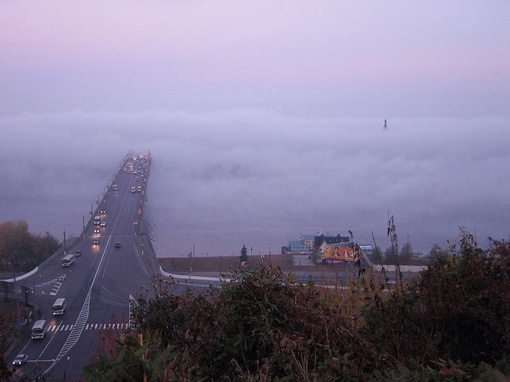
(96, 286)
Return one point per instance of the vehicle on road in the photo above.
(96, 242)
(133, 189)
(103, 224)
(20, 359)
(59, 307)
(39, 330)
(97, 220)
(103, 212)
(97, 230)
(115, 187)
(77, 253)
(117, 244)
(68, 260)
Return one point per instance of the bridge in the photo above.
(116, 263)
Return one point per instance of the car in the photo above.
(96, 242)
(20, 359)
(97, 230)
(117, 244)
(77, 253)
(103, 212)
(115, 187)
(103, 224)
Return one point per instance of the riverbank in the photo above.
(219, 264)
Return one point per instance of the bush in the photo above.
(261, 326)
(459, 309)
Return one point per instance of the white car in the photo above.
(103, 224)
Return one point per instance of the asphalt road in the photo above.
(97, 287)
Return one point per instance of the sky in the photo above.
(261, 115)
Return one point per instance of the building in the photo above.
(302, 246)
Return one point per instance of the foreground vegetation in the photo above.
(451, 323)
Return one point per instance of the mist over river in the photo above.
(221, 180)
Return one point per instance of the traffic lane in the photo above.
(123, 274)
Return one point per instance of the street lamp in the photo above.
(65, 367)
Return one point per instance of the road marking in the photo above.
(97, 327)
(56, 284)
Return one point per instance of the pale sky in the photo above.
(351, 58)
(261, 113)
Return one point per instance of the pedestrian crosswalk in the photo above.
(109, 326)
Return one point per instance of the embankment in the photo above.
(220, 264)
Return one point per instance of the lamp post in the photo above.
(65, 249)
(65, 368)
(14, 261)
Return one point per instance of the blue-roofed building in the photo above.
(304, 245)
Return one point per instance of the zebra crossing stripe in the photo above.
(109, 326)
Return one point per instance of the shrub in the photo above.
(459, 308)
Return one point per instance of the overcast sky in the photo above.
(277, 107)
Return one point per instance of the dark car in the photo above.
(96, 242)
(97, 230)
(20, 359)
(103, 211)
(117, 245)
(77, 253)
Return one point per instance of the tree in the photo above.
(22, 251)
(406, 253)
(436, 251)
(377, 256)
(244, 254)
(389, 256)
(8, 320)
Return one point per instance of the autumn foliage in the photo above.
(450, 323)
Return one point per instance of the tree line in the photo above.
(22, 251)
(405, 254)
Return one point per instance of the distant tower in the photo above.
(385, 125)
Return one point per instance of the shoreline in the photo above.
(219, 264)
